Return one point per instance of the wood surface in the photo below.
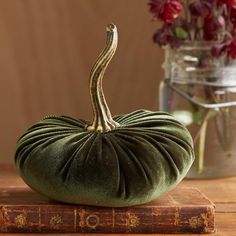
(222, 192)
(48, 48)
(182, 210)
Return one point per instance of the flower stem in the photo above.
(201, 146)
(201, 138)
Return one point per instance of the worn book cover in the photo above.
(182, 210)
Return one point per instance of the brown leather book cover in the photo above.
(182, 210)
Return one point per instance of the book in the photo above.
(182, 210)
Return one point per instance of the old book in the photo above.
(182, 210)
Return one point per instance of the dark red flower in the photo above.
(231, 50)
(212, 26)
(205, 20)
(228, 3)
(233, 16)
(233, 32)
(166, 10)
(183, 23)
(200, 8)
(171, 11)
(155, 6)
(231, 3)
(162, 36)
(165, 36)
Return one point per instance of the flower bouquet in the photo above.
(210, 20)
(199, 37)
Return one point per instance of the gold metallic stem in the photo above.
(102, 116)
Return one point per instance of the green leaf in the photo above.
(198, 116)
(180, 33)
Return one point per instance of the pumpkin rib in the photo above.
(133, 138)
(125, 118)
(27, 137)
(146, 114)
(171, 159)
(137, 161)
(95, 136)
(122, 164)
(129, 119)
(89, 140)
(128, 152)
(64, 170)
(54, 130)
(154, 143)
(34, 144)
(141, 113)
(66, 120)
(120, 186)
(54, 122)
(176, 161)
(158, 134)
(38, 145)
(148, 122)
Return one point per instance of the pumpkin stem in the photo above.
(102, 116)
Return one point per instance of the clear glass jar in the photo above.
(200, 91)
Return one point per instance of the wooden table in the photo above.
(221, 191)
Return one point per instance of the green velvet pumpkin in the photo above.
(114, 161)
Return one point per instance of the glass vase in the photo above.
(200, 91)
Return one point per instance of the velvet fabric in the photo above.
(147, 155)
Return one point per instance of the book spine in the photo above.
(69, 219)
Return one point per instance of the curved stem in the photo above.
(102, 116)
